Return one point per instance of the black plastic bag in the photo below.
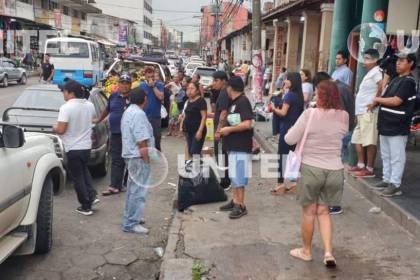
(199, 187)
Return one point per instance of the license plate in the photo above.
(68, 75)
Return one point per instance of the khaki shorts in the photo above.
(320, 186)
(366, 131)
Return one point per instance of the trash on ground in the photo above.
(158, 251)
(375, 210)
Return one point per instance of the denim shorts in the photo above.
(239, 168)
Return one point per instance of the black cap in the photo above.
(125, 77)
(237, 84)
(220, 75)
(74, 87)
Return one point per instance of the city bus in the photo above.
(77, 59)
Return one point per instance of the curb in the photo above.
(173, 268)
(389, 207)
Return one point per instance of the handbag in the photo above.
(294, 159)
(163, 112)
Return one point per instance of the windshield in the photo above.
(42, 99)
(193, 66)
(68, 49)
(204, 72)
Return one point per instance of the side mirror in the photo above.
(13, 136)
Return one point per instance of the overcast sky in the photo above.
(181, 15)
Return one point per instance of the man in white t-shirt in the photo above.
(365, 135)
(74, 125)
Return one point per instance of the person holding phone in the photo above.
(155, 95)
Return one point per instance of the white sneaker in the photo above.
(140, 229)
(95, 201)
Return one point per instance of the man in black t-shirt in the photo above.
(237, 140)
(220, 102)
(47, 73)
(394, 119)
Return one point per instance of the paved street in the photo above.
(8, 95)
(94, 247)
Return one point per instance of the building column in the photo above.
(293, 26)
(341, 27)
(278, 55)
(325, 36)
(310, 43)
(369, 10)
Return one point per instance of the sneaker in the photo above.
(225, 184)
(355, 169)
(380, 186)
(139, 229)
(364, 174)
(238, 211)
(96, 201)
(86, 212)
(227, 207)
(335, 210)
(392, 190)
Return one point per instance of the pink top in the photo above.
(323, 144)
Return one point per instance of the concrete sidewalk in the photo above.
(206, 241)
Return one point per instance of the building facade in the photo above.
(138, 11)
(218, 22)
(65, 17)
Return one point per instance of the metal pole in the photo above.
(256, 51)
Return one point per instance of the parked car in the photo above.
(206, 74)
(36, 110)
(189, 69)
(33, 171)
(9, 72)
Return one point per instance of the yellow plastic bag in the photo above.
(210, 130)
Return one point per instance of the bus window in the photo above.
(68, 49)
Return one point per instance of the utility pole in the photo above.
(256, 51)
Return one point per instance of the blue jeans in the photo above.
(346, 142)
(138, 177)
(393, 157)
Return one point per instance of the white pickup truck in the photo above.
(31, 173)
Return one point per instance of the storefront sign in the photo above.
(57, 19)
(257, 82)
(123, 34)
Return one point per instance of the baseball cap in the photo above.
(236, 84)
(220, 75)
(125, 77)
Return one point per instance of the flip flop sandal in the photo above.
(298, 254)
(109, 192)
(278, 191)
(330, 262)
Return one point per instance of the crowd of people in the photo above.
(318, 117)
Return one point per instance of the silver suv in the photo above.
(9, 72)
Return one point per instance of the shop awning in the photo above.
(107, 42)
(287, 7)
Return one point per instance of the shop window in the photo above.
(53, 6)
(66, 10)
(45, 4)
(75, 13)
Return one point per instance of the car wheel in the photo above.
(23, 80)
(5, 82)
(101, 169)
(44, 219)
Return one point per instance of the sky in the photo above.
(179, 14)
